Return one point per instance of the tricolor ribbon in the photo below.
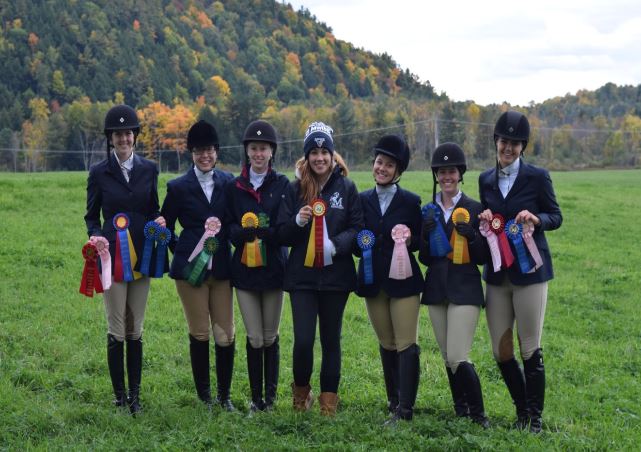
(251, 256)
(439, 245)
(318, 254)
(196, 270)
(212, 227)
(493, 242)
(163, 237)
(125, 258)
(90, 280)
(400, 267)
(460, 252)
(513, 232)
(365, 241)
(150, 239)
(528, 232)
(497, 226)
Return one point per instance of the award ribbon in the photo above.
(125, 252)
(90, 280)
(461, 252)
(263, 222)
(102, 247)
(365, 241)
(316, 255)
(497, 226)
(196, 270)
(212, 227)
(514, 231)
(400, 267)
(528, 232)
(439, 245)
(150, 239)
(493, 242)
(251, 256)
(163, 237)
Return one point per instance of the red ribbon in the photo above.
(90, 278)
(319, 208)
(497, 225)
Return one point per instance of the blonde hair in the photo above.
(310, 186)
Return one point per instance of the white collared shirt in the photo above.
(385, 196)
(447, 212)
(256, 179)
(507, 176)
(206, 181)
(127, 166)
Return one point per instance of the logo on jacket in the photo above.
(336, 202)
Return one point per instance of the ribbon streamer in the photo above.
(493, 242)
(528, 232)
(151, 228)
(460, 251)
(497, 226)
(400, 267)
(365, 240)
(123, 265)
(251, 256)
(212, 227)
(318, 254)
(102, 247)
(263, 222)
(514, 231)
(90, 280)
(439, 245)
(163, 237)
(195, 272)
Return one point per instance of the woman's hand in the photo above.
(304, 215)
(486, 215)
(525, 216)
(160, 221)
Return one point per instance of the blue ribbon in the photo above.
(151, 228)
(514, 232)
(365, 240)
(123, 238)
(439, 245)
(163, 237)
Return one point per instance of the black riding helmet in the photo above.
(513, 125)
(260, 131)
(202, 134)
(447, 154)
(396, 147)
(121, 117)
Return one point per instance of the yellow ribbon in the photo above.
(251, 256)
(460, 253)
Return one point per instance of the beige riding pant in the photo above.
(454, 327)
(125, 304)
(261, 311)
(395, 320)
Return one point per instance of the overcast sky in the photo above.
(492, 51)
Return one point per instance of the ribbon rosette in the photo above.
(528, 231)
(163, 237)
(514, 231)
(493, 242)
(196, 270)
(460, 253)
(439, 245)
(90, 280)
(365, 240)
(212, 227)
(400, 267)
(497, 226)
(251, 256)
(125, 258)
(318, 254)
(151, 228)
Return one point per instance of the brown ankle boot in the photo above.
(328, 402)
(303, 397)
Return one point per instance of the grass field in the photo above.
(55, 391)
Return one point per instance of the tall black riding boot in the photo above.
(389, 358)
(458, 395)
(255, 371)
(409, 373)
(115, 361)
(272, 364)
(515, 382)
(134, 373)
(467, 378)
(224, 372)
(535, 389)
(199, 353)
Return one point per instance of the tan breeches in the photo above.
(525, 304)
(454, 326)
(261, 312)
(125, 304)
(395, 320)
(211, 303)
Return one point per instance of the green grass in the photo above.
(55, 390)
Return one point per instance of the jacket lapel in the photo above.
(195, 188)
(116, 172)
(218, 188)
(373, 200)
(396, 202)
(520, 181)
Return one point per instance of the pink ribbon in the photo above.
(528, 231)
(493, 242)
(400, 267)
(102, 247)
(212, 227)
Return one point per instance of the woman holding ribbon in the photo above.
(123, 187)
(258, 263)
(319, 219)
(520, 204)
(451, 248)
(388, 275)
(201, 262)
